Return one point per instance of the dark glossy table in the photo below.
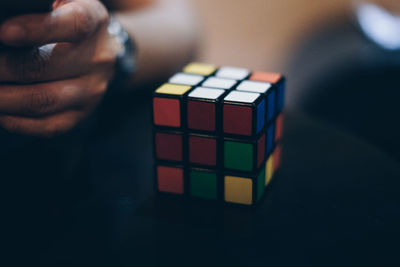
(88, 200)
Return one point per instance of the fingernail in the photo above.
(12, 32)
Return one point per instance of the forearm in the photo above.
(165, 33)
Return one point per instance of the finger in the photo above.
(45, 127)
(38, 100)
(71, 22)
(45, 63)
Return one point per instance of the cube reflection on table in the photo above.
(217, 132)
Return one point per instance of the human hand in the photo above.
(57, 68)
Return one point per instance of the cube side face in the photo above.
(270, 139)
(260, 184)
(167, 112)
(238, 156)
(169, 146)
(170, 179)
(269, 170)
(260, 116)
(237, 119)
(271, 105)
(203, 184)
(261, 150)
(277, 157)
(279, 128)
(238, 190)
(280, 99)
(201, 115)
(203, 151)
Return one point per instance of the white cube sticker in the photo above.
(243, 97)
(233, 73)
(219, 83)
(252, 86)
(186, 79)
(206, 93)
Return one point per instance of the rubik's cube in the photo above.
(217, 132)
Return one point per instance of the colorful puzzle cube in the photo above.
(217, 133)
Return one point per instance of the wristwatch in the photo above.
(126, 60)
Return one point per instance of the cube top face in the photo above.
(173, 89)
(254, 86)
(219, 83)
(206, 93)
(242, 97)
(269, 77)
(186, 79)
(233, 73)
(200, 68)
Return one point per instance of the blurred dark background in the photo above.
(87, 198)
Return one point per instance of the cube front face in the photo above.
(167, 112)
(170, 180)
(218, 132)
(201, 115)
(238, 119)
(243, 113)
(238, 190)
(203, 151)
(243, 155)
(203, 184)
(167, 105)
(202, 109)
(169, 146)
(238, 156)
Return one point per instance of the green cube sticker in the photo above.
(260, 184)
(238, 156)
(203, 184)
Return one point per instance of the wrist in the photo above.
(125, 60)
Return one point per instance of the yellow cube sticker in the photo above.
(269, 170)
(199, 68)
(238, 190)
(173, 89)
